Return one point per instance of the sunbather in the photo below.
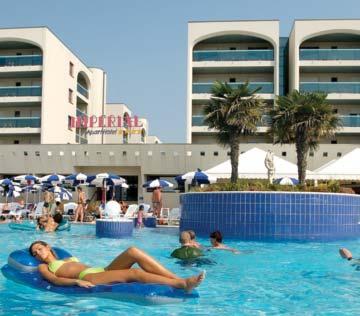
(72, 272)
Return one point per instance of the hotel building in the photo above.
(43, 84)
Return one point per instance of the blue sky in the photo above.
(142, 45)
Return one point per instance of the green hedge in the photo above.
(264, 185)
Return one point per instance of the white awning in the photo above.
(345, 168)
(251, 166)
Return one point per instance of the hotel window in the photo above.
(18, 84)
(228, 153)
(339, 154)
(69, 122)
(216, 153)
(311, 154)
(232, 80)
(71, 93)
(25, 153)
(325, 154)
(283, 154)
(334, 141)
(334, 47)
(334, 79)
(335, 111)
(71, 69)
(16, 142)
(17, 114)
(37, 153)
(202, 153)
(18, 54)
(232, 48)
(124, 153)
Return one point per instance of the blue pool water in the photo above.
(267, 279)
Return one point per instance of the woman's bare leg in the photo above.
(134, 255)
(81, 213)
(138, 275)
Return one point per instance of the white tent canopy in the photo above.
(345, 168)
(252, 166)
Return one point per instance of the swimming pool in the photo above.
(268, 278)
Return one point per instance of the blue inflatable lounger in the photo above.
(22, 268)
(31, 226)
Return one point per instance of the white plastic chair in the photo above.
(70, 206)
(174, 216)
(164, 216)
(39, 210)
(131, 211)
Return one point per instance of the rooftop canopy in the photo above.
(251, 166)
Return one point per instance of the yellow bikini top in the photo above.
(55, 265)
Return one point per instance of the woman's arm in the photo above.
(52, 278)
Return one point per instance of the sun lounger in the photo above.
(131, 211)
(174, 216)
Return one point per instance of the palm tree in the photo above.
(233, 112)
(302, 118)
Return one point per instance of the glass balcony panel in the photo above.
(82, 90)
(20, 91)
(198, 120)
(330, 87)
(22, 60)
(80, 113)
(329, 54)
(233, 55)
(350, 120)
(266, 87)
(18, 122)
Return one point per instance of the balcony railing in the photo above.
(198, 120)
(350, 120)
(81, 140)
(34, 91)
(233, 55)
(82, 90)
(330, 54)
(80, 113)
(347, 120)
(330, 87)
(19, 122)
(266, 87)
(23, 60)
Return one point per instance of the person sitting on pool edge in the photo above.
(187, 250)
(216, 242)
(70, 271)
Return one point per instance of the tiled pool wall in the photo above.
(272, 215)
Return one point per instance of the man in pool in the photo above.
(70, 271)
(216, 241)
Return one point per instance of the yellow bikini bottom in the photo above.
(90, 271)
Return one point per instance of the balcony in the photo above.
(82, 90)
(81, 140)
(198, 120)
(25, 91)
(20, 122)
(350, 120)
(331, 87)
(23, 60)
(266, 87)
(330, 54)
(233, 55)
(80, 113)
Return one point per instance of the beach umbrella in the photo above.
(102, 179)
(26, 179)
(60, 192)
(196, 177)
(157, 183)
(286, 181)
(76, 179)
(5, 182)
(52, 179)
(14, 191)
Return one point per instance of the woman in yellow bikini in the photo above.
(72, 272)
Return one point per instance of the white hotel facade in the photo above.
(42, 84)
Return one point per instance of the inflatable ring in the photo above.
(23, 268)
(31, 226)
